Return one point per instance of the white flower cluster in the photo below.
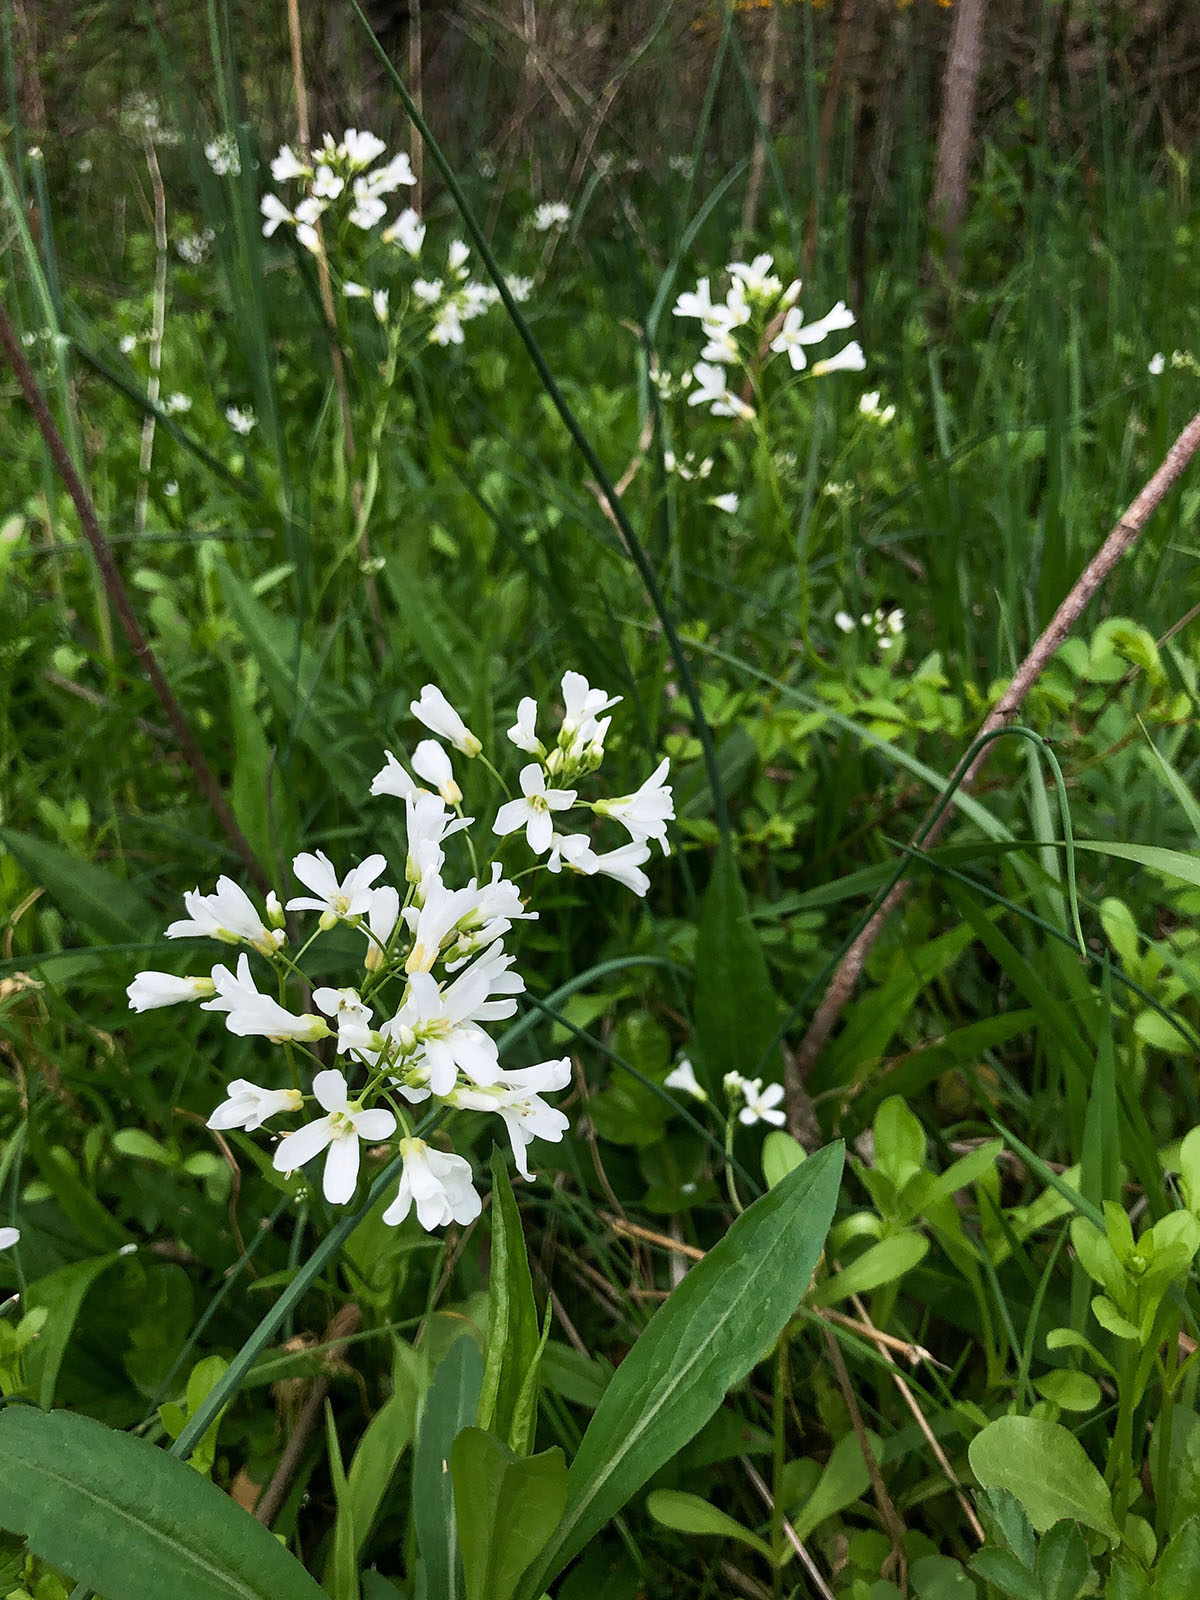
(223, 156)
(338, 172)
(434, 969)
(756, 296)
(887, 626)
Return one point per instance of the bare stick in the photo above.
(118, 594)
(843, 982)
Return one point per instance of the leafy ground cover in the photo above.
(803, 509)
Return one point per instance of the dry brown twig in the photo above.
(1122, 537)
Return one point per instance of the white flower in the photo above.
(490, 912)
(149, 990)
(532, 811)
(721, 346)
(623, 864)
(796, 333)
(287, 165)
(517, 1098)
(379, 304)
(440, 717)
(9, 1237)
(760, 1103)
(352, 1017)
(428, 824)
(1156, 364)
(869, 406)
(520, 289)
(522, 731)
(695, 303)
(726, 502)
(229, 915)
(248, 1106)
(382, 918)
(851, 359)
(340, 1131)
(368, 208)
(427, 292)
(355, 291)
(551, 214)
(458, 256)
(360, 149)
(710, 388)
(447, 326)
(495, 965)
(581, 706)
(241, 420)
(386, 180)
(176, 403)
(127, 343)
(844, 621)
(430, 761)
(756, 277)
(254, 1015)
(408, 231)
(274, 212)
(327, 184)
(394, 779)
(646, 812)
(438, 1184)
(170, 488)
(683, 1076)
(438, 1027)
(336, 899)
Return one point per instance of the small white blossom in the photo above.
(248, 1106)
(408, 231)
(683, 1076)
(761, 1103)
(353, 1018)
(1156, 364)
(796, 334)
(337, 899)
(241, 420)
(250, 1014)
(223, 156)
(150, 990)
(438, 1028)
(517, 1098)
(532, 810)
(522, 732)
(869, 406)
(227, 914)
(339, 1131)
(447, 325)
(756, 277)
(274, 212)
(439, 716)
(726, 502)
(427, 292)
(851, 359)
(430, 761)
(368, 208)
(646, 812)
(710, 388)
(459, 255)
(386, 180)
(438, 1184)
(696, 303)
(176, 404)
(9, 1237)
(288, 165)
(360, 149)
(393, 779)
(551, 214)
(843, 621)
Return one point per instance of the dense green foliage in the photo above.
(1020, 1207)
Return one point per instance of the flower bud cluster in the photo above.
(411, 1028)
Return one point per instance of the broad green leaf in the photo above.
(936, 1577)
(843, 1479)
(1062, 1561)
(781, 1154)
(513, 1344)
(1175, 1574)
(1073, 1391)
(1047, 1469)
(449, 1408)
(341, 1567)
(61, 1294)
(1002, 1569)
(388, 1434)
(508, 1506)
(882, 1263)
(90, 897)
(899, 1140)
(735, 1009)
(1004, 1517)
(130, 1521)
(688, 1513)
(717, 1325)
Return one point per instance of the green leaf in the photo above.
(1073, 1391)
(1062, 1561)
(1006, 1522)
(717, 1325)
(1005, 1572)
(688, 1513)
(1047, 1469)
(387, 1436)
(734, 1009)
(90, 897)
(128, 1520)
(882, 1263)
(61, 1294)
(508, 1507)
(899, 1140)
(341, 1568)
(936, 1577)
(97, 1226)
(1168, 863)
(449, 1408)
(781, 1154)
(843, 1479)
(1175, 1574)
(513, 1346)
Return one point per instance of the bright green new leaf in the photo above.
(513, 1346)
(882, 1263)
(1047, 1469)
(128, 1520)
(388, 1434)
(449, 1408)
(1073, 1391)
(781, 1154)
(508, 1506)
(716, 1326)
(688, 1513)
(843, 1479)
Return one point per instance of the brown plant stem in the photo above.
(118, 595)
(1123, 535)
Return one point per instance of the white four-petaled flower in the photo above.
(254, 1015)
(248, 1106)
(646, 812)
(439, 1185)
(339, 1131)
(337, 899)
(227, 914)
(440, 717)
(533, 810)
